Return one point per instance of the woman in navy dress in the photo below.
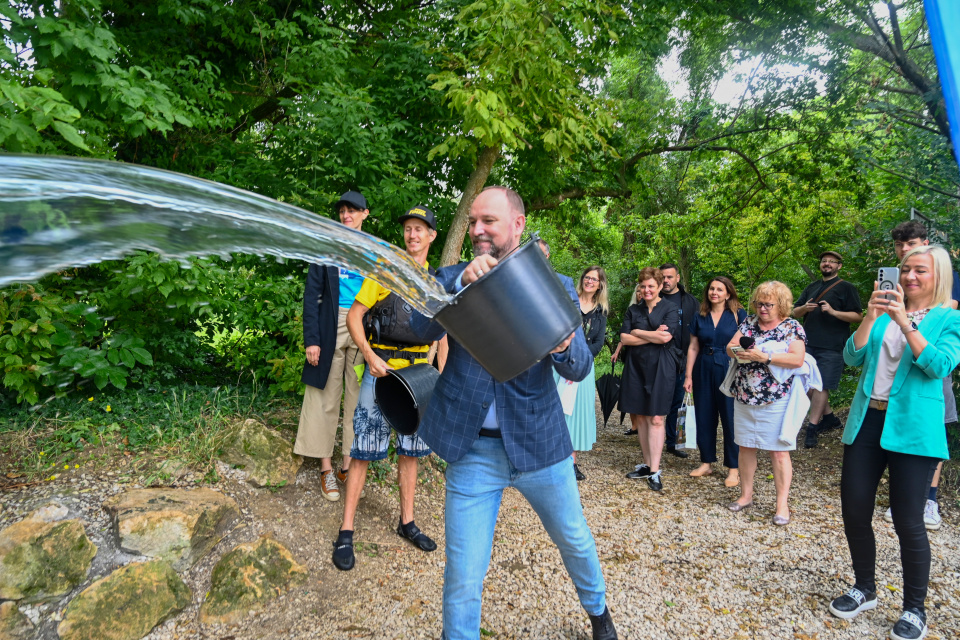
(707, 362)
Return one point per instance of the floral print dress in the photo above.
(753, 383)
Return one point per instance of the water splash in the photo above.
(58, 212)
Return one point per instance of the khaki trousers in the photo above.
(320, 413)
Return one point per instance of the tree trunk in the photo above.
(458, 229)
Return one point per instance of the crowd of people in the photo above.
(756, 373)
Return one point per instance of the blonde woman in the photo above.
(760, 399)
(582, 423)
(908, 342)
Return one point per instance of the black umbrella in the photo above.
(608, 386)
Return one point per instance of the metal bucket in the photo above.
(513, 316)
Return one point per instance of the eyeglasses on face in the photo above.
(766, 305)
(590, 279)
(828, 261)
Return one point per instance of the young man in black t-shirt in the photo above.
(827, 307)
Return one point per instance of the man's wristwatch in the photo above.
(910, 328)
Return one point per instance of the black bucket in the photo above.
(403, 395)
(513, 316)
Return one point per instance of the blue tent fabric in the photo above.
(943, 16)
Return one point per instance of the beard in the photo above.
(827, 271)
(494, 251)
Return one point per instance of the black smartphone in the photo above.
(888, 279)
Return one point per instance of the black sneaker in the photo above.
(850, 604)
(603, 628)
(577, 473)
(641, 472)
(830, 422)
(343, 557)
(630, 432)
(811, 440)
(680, 453)
(419, 539)
(912, 625)
(654, 482)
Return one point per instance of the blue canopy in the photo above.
(943, 16)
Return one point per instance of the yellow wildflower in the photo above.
(109, 409)
(66, 466)
(76, 466)
(90, 399)
(42, 453)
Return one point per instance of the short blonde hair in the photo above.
(942, 272)
(779, 292)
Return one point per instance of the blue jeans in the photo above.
(475, 486)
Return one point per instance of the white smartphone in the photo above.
(888, 279)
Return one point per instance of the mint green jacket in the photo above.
(914, 420)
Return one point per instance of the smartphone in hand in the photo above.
(736, 352)
(888, 279)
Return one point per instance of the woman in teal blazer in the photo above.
(906, 345)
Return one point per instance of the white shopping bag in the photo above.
(687, 424)
(568, 394)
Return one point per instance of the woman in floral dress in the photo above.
(760, 400)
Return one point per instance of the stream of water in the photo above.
(59, 212)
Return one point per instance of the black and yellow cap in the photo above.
(420, 212)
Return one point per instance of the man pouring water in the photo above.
(496, 435)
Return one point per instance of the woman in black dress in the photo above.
(650, 329)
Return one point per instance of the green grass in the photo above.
(184, 422)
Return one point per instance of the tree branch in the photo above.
(912, 180)
(554, 201)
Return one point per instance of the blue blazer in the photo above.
(321, 309)
(529, 414)
(914, 419)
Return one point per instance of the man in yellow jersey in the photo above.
(392, 345)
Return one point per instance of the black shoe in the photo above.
(830, 422)
(850, 604)
(654, 482)
(641, 472)
(603, 628)
(811, 440)
(343, 557)
(630, 432)
(912, 625)
(417, 537)
(680, 453)
(579, 474)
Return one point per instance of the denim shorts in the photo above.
(371, 433)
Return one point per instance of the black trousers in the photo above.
(910, 476)
(670, 423)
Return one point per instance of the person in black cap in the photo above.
(827, 307)
(331, 356)
(392, 345)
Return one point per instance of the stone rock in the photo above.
(175, 525)
(13, 624)
(263, 454)
(172, 469)
(41, 560)
(126, 604)
(247, 578)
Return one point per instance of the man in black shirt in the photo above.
(689, 306)
(827, 307)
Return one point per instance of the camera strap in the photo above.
(827, 290)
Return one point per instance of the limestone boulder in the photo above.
(247, 578)
(176, 525)
(126, 604)
(265, 456)
(13, 624)
(42, 558)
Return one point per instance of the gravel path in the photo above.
(677, 564)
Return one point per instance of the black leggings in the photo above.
(910, 476)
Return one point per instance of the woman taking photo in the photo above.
(760, 398)
(592, 290)
(707, 363)
(650, 328)
(908, 342)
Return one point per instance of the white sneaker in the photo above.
(888, 515)
(931, 515)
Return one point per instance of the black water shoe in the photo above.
(343, 557)
(420, 540)
(603, 628)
